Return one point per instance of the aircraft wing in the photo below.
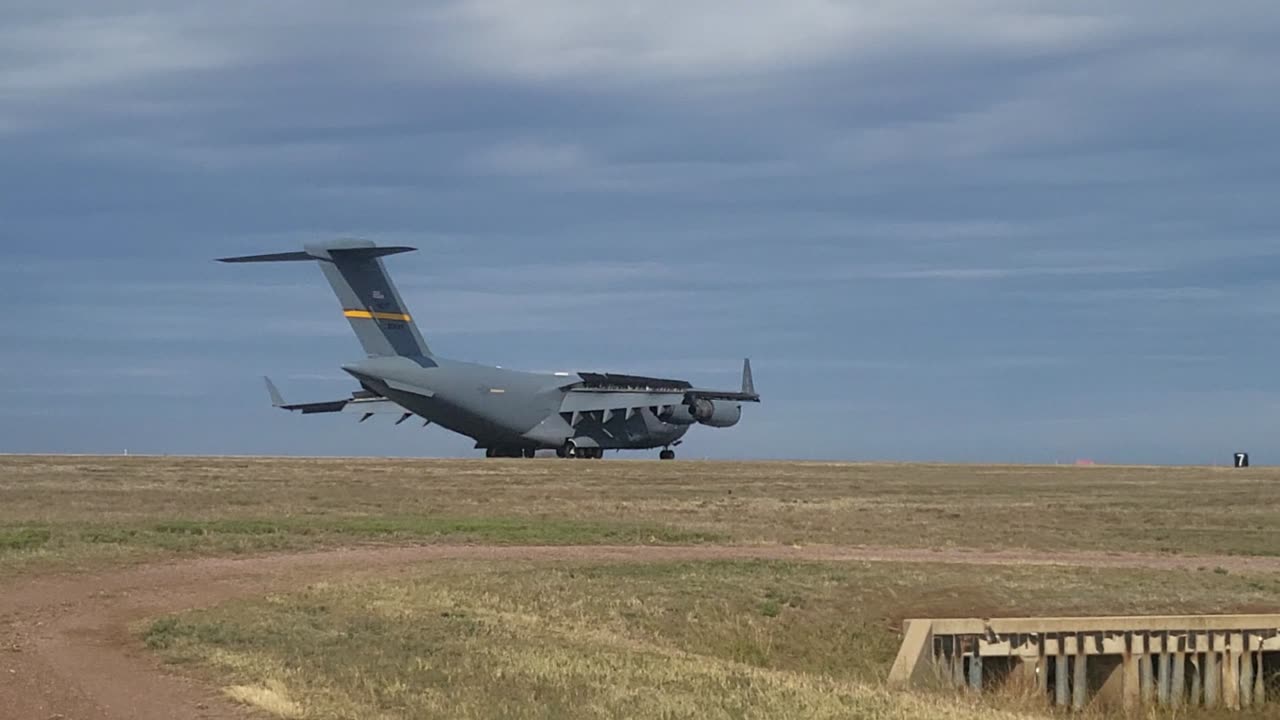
(362, 402)
(615, 392)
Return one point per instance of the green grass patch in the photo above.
(204, 528)
(1050, 508)
(548, 531)
(23, 538)
(83, 542)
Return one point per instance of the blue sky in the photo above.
(973, 230)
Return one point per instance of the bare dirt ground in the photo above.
(67, 649)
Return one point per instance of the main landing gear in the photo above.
(571, 450)
(509, 452)
(667, 454)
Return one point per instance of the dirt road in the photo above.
(67, 649)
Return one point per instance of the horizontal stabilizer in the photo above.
(363, 253)
(361, 401)
(330, 252)
(271, 257)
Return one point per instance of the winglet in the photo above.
(277, 400)
(748, 383)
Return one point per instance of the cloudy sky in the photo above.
(970, 230)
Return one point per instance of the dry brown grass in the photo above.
(85, 507)
(673, 640)
(271, 697)
(568, 640)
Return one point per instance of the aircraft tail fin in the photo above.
(748, 383)
(369, 299)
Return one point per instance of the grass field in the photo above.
(702, 640)
(79, 510)
(586, 639)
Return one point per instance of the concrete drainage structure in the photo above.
(1212, 661)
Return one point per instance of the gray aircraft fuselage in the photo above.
(503, 408)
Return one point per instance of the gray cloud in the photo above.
(981, 213)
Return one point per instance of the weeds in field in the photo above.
(669, 640)
(65, 541)
(920, 506)
(23, 538)
(730, 640)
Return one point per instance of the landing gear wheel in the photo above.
(490, 452)
(530, 452)
(567, 450)
(667, 455)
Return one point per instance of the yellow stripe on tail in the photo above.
(367, 315)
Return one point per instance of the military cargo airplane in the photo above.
(507, 413)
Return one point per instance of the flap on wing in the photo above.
(588, 400)
(370, 407)
(640, 383)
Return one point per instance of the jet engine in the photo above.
(677, 415)
(716, 413)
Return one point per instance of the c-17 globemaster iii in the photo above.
(508, 413)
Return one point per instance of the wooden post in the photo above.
(1212, 676)
(1164, 679)
(1197, 696)
(1148, 678)
(1061, 677)
(1177, 685)
(1132, 682)
(1231, 673)
(1042, 671)
(1259, 682)
(1080, 679)
(1246, 673)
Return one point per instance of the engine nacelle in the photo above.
(716, 413)
(677, 415)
